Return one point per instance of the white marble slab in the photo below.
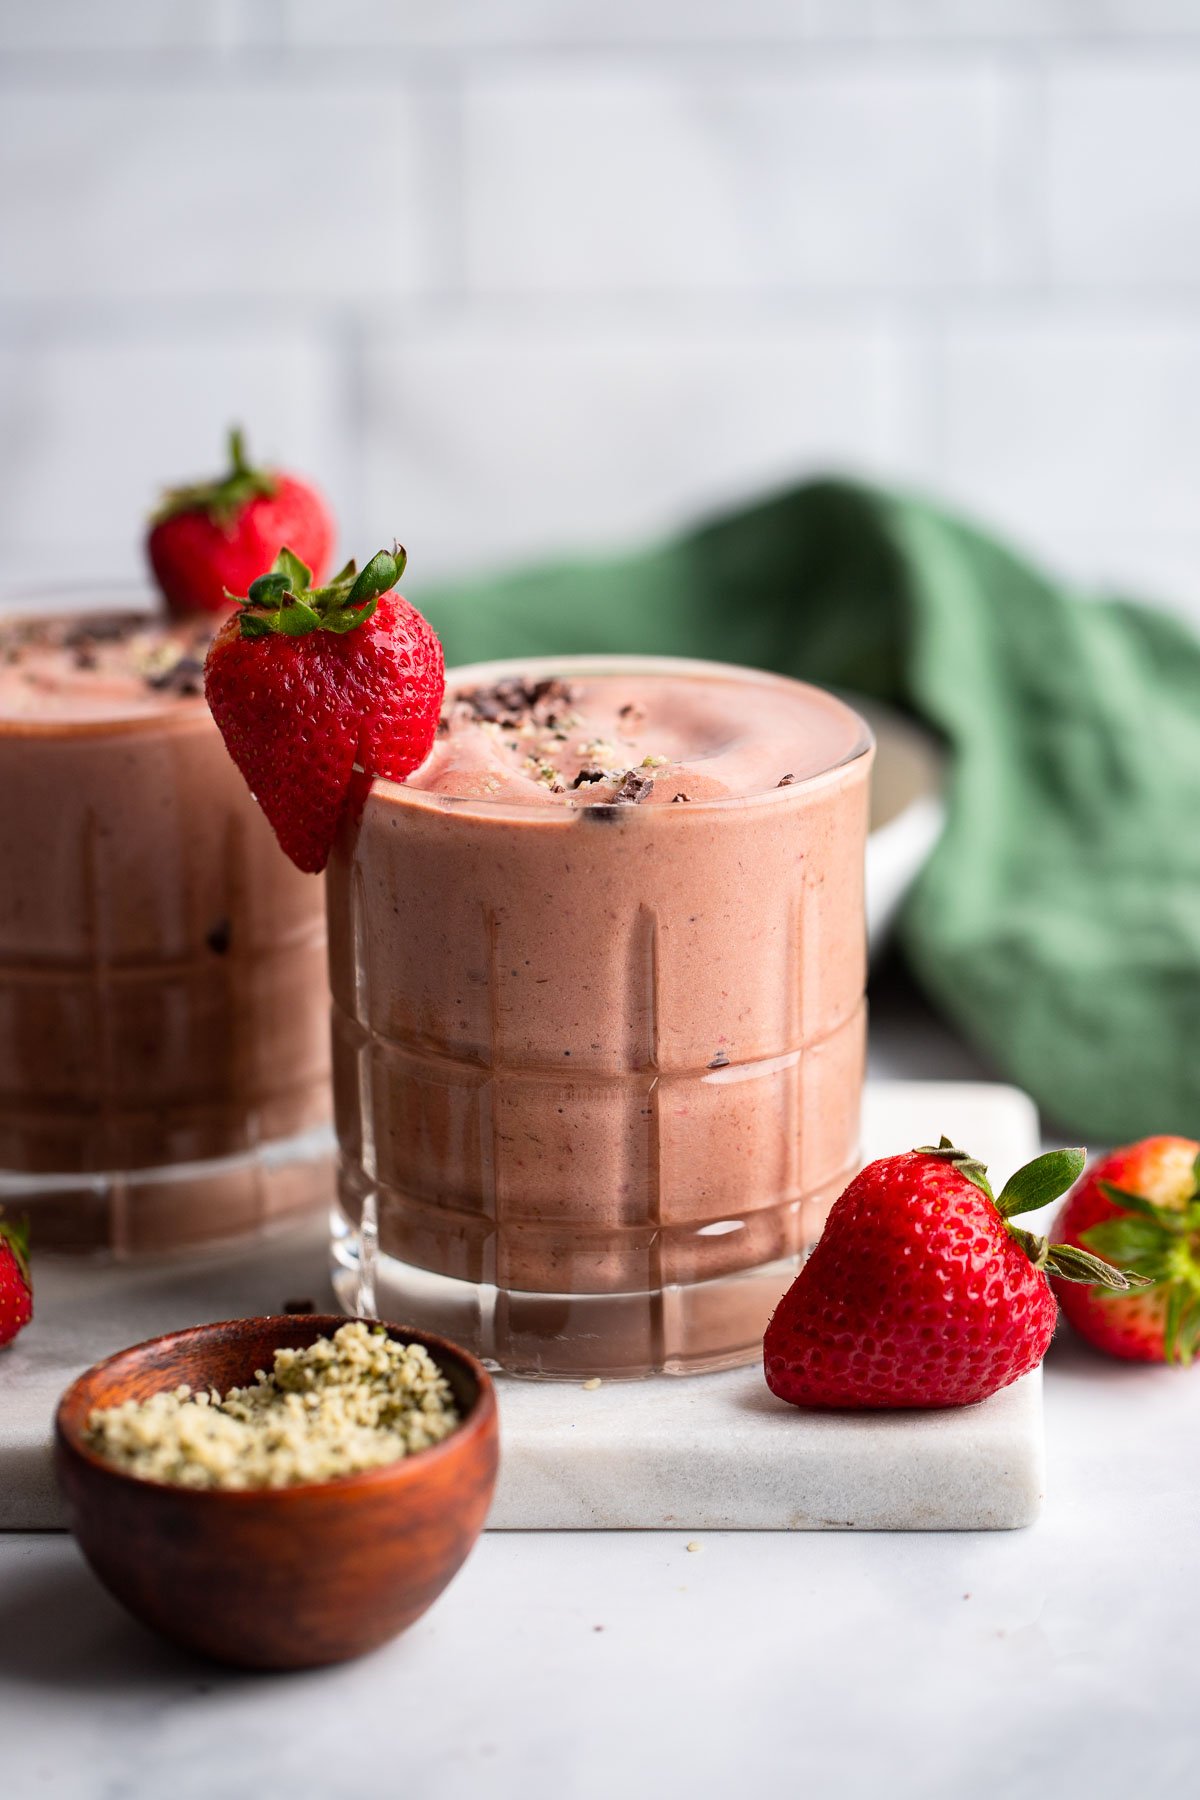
(720, 1453)
(708, 1452)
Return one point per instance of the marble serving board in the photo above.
(704, 1453)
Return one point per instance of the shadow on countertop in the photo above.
(60, 1629)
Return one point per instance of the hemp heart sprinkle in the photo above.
(343, 1404)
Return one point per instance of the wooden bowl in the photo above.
(276, 1578)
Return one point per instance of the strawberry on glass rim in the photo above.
(921, 1291)
(209, 539)
(316, 690)
(1140, 1207)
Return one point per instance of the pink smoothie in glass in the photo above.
(598, 974)
(163, 1004)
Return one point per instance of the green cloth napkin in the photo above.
(1057, 924)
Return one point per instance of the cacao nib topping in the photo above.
(515, 702)
(589, 774)
(634, 787)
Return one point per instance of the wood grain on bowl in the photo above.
(276, 1577)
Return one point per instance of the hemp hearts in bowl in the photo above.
(341, 1405)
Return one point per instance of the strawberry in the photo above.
(920, 1291)
(16, 1289)
(208, 541)
(307, 682)
(1140, 1208)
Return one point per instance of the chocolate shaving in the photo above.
(589, 773)
(634, 787)
(680, 799)
(720, 1060)
(785, 781)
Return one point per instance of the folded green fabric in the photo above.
(1057, 924)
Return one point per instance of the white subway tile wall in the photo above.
(513, 277)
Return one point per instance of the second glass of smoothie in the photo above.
(598, 980)
(164, 1079)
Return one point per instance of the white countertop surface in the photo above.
(1003, 1664)
(950, 1666)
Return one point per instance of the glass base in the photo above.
(123, 1215)
(681, 1330)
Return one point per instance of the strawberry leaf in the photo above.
(299, 575)
(346, 620)
(1175, 1220)
(381, 573)
(1133, 1243)
(1036, 1248)
(296, 619)
(271, 589)
(1041, 1181)
(1181, 1337)
(1070, 1263)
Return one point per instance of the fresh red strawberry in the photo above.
(920, 1291)
(208, 541)
(306, 683)
(16, 1289)
(1140, 1208)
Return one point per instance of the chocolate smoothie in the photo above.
(598, 974)
(163, 1036)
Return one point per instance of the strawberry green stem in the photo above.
(284, 603)
(222, 500)
(1158, 1246)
